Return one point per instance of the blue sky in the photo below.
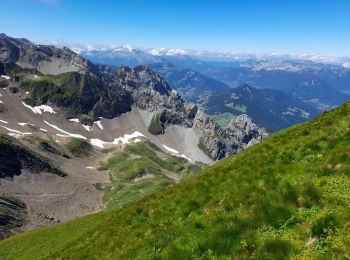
(299, 26)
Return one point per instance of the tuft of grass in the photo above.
(156, 127)
(78, 146)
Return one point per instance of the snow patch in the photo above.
(14, 132)
(75, 120)
(42, 129)
(170, 149)
(37, 109)
(99, 124)
(5, 77)
(125, 139)
(97, 142)
(66, 134)
(11, 130)
(89, 167)
(3, 121)
(87, 127)
(187, 158)
(15, 135)
(176, 153)
(36, 77)
(22, 124)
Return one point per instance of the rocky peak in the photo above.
(150, 91)
(219, 143)
(244, 131)
(142, 77)
(46, 59)
(242, 122)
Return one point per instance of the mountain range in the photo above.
(319, 86)
(78, 137)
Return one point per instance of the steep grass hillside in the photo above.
(288, 196)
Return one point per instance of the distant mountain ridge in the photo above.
(317, 80)
(190, 84)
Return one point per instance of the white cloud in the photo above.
(166, 52)
(346, 65)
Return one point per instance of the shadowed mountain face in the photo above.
(13, 215)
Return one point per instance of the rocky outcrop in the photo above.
(243, 131)
(219, 143)
(150, 92)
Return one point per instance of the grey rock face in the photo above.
(218, 143)
(211, 136)
(149, 90)
(242, 130)
(43, 58)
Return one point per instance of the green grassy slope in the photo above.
(139, 170)
(288, 196)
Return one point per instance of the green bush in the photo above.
(78, 147)
(155, 126)
(276, 249)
